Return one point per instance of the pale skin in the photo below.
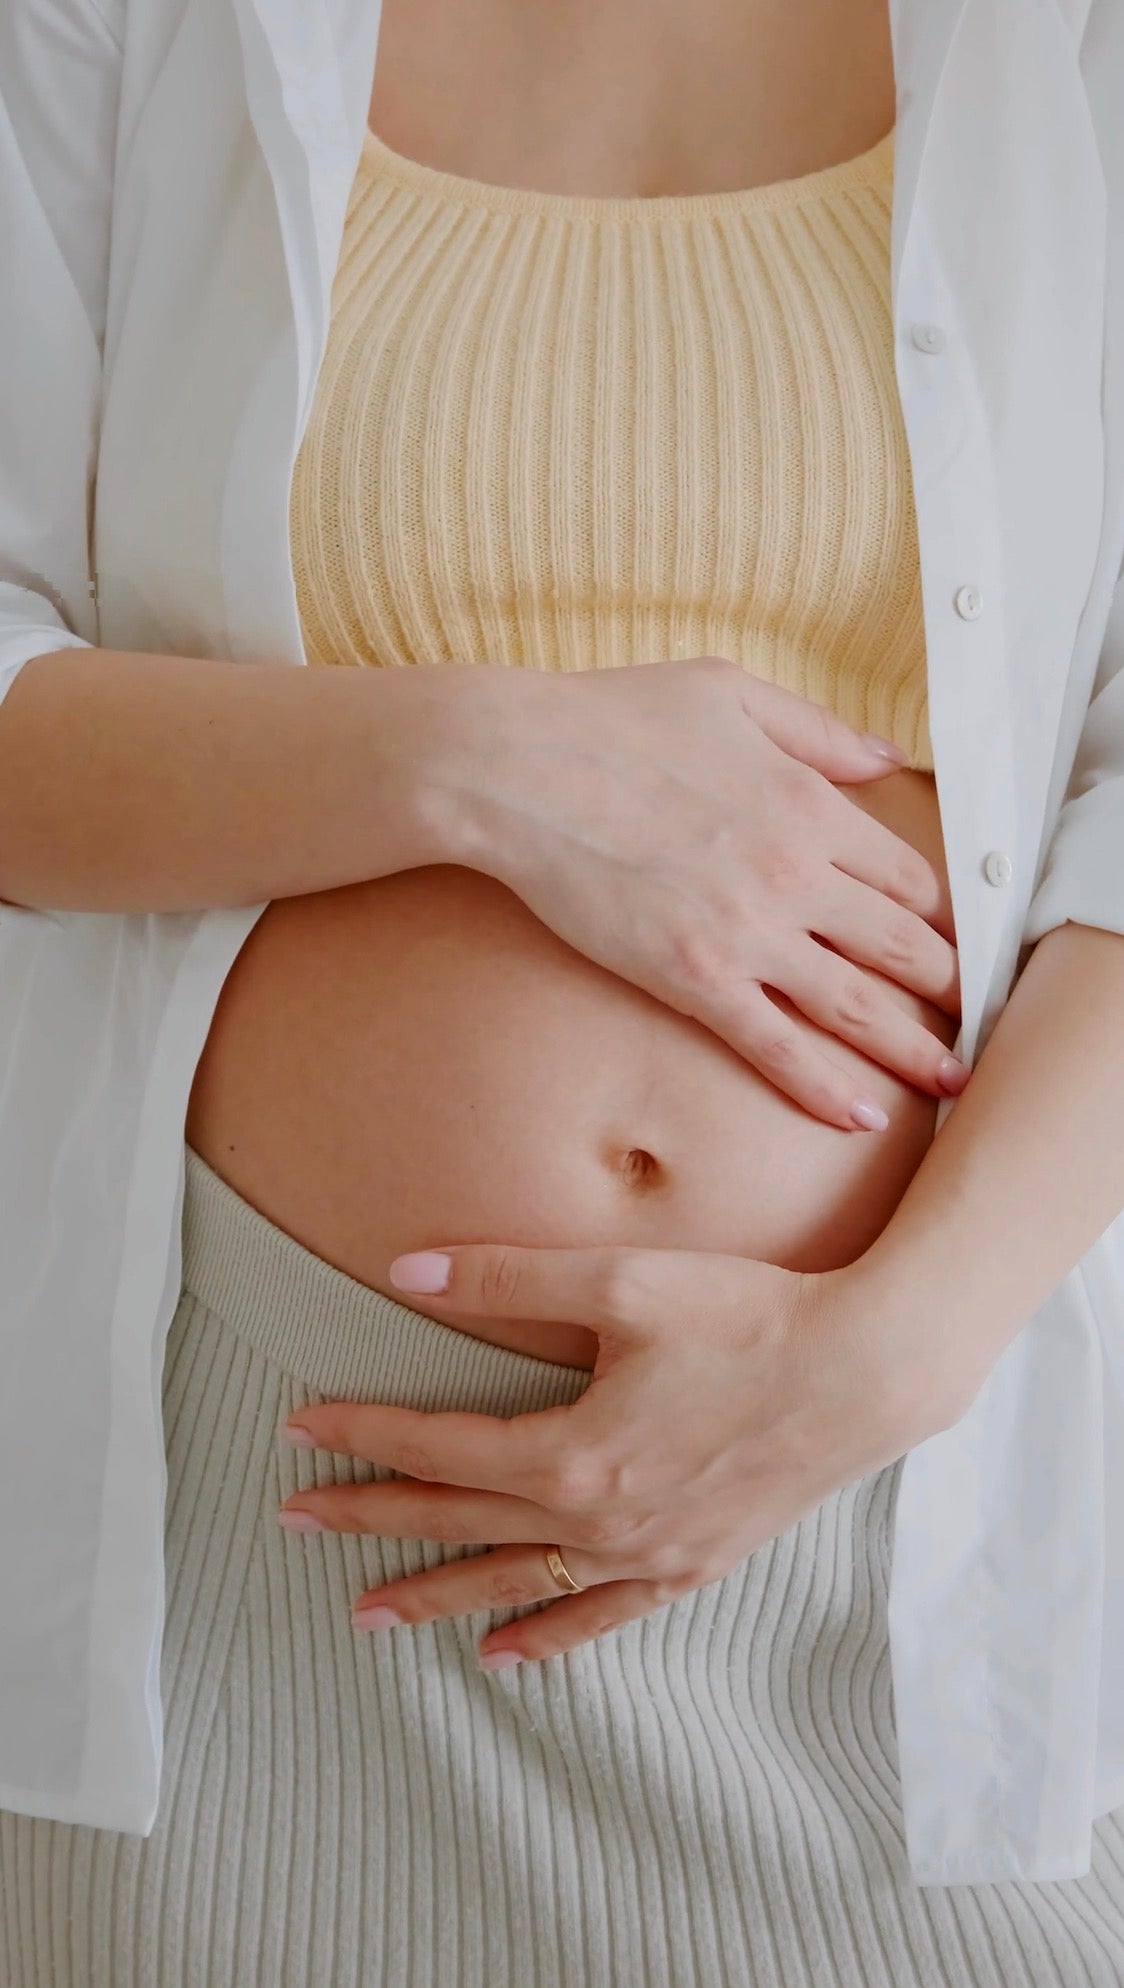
(798, 1382)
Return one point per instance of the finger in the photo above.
(768, 1039)
(816, 735)
(855, 1006)
(508, 1577)
(866, 849)
(519, 1455)
(401, 1509)
(612, 1289)
(577, 1619)
(868, 928)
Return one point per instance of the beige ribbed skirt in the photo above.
(706, 1798)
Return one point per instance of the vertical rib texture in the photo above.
(565, 434)
(706, 1798)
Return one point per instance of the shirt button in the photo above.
(927, 337)
(997, 866)
(969, 602)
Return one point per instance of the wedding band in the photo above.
(560, 1571)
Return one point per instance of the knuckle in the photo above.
(899, 938)
(336, 1425)
(343, 1511)
(856, 1004)
(667, 1588)
(824, 727)
(806, 793)
(827, 1104)
(694, 960)
(575, 1483)
(784, 870)
(666, 1566)
(913, 877)
(615, 1293)
(777, 1051)
(605, 1527)
(932, 1053)
(709, 1569)
(602, 1620)
(408, 1603)
(674, 1575)
(506, 1588)
(451, 1527)
(413, 1461)
(919, 1058)
(500, 1279)
(722, 669)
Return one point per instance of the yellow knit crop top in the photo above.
(568, 433)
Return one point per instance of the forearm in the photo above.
(1027, 1170)
(133, 782)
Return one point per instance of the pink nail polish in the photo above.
(952, 1075)
(871, 1116)
(374, 1618)
(299, 1438)
(884, 748)
(499, 1659)
(299, 1522)
(426, 1270)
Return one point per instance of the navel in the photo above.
(640, 1170)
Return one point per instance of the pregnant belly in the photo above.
(418, 1060)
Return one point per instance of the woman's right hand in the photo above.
(677, 823)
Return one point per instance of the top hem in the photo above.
(864, 169)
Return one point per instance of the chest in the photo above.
(599, 432)
(625, 97)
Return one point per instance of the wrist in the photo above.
(468, 778)
(435, 732)
(911, 1333)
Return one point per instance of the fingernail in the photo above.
(374, 1618)
(952, 1075)
(425, 1270)
(865, 1112)
(299, 1438)
(884, 748)
(499, 1659)
(299, 1522)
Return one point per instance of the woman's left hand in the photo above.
(728, 1399)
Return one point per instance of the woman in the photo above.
(392, 1062)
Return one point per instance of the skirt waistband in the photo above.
(338, 1336)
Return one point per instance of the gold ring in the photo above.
(560, 1571)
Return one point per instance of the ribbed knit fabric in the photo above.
(566, 433)
(706, 1798)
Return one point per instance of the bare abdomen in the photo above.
(418, 1060)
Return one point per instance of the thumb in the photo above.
(812, 733)
(603, 1287)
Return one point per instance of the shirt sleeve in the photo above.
(60, 64)
(1083, 876)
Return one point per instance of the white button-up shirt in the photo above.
(173, 182)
